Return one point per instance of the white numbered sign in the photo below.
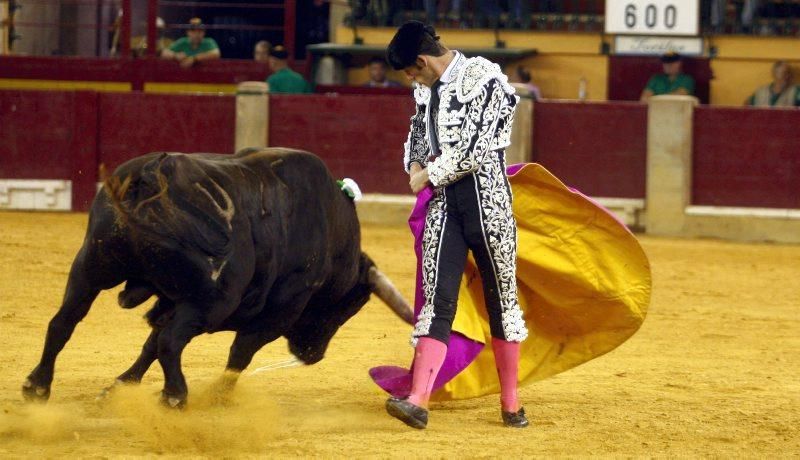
(652, 17)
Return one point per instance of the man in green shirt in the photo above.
(672, 81)
(194, 47)
(780, 93)
(283, 79)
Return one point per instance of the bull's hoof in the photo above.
(35, 393)
(109, 390)
(220, 392)
(173, 402)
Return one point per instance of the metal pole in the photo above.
(152, 30)
(125, 28)
(290, 27)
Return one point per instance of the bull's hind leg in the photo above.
(244, 346)
(79, 295)
(148, 355)
(184, 326)
(157, 317)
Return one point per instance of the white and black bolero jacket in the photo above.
(476, 110)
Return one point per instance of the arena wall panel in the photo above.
(358, 136)
(746, 157)
(132, 124)
(600, 149)
(36, 132)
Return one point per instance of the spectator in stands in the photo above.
(523, 77)
(780, 93)
(672, 81)
(283, 79)
(261, 51)
(194, 47)
(519, 14)
(377, 74)
(432, 6)
(488, 14)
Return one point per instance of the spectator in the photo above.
(523, 76)
(283, 79)
(377, 74)
(672, 81)
(194, 47)
(139, 42)
(780, 93)
(519, 14)
(431, 12)
(261, 51)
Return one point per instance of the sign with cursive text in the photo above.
(658, 45)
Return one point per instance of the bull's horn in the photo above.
(386, 291)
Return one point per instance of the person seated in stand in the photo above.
(780, 93)
(672, 81)
(523, 77)
(283, 79)
(261, 51)
(194, 47)
(377, 68)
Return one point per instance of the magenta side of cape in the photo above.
(461, 351)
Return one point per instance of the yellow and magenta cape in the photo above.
(583, 282)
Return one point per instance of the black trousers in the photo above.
(462, 213)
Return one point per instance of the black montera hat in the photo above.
(405, 46)
(670, 56)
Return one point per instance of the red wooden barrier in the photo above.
(132, 124)
(134, 71)
(50, 135)
(600, 149)
(746, 157)
(358, 136)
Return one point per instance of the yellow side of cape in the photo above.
(583, 281)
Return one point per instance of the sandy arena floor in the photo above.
(714, 371)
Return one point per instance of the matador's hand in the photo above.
(419, 180)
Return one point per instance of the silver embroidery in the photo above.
(431, 237)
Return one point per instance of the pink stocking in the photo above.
(428, 358)
(506, 356)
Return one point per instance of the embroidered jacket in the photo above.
(475, 113)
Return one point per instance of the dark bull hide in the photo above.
(262, 243)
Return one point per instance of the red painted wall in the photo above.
(132, 124)
(36, 130)
(600, 149)
(358, 136)
(746, 157)
(67, 135)
(742, 156)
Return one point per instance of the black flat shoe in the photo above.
(411, 415)
(515, 419)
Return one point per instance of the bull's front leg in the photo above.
(80, 294)
(187, 323)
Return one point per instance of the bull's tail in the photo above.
(172, 199)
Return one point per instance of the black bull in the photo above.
(263, 243)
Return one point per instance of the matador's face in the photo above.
(421, 72)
